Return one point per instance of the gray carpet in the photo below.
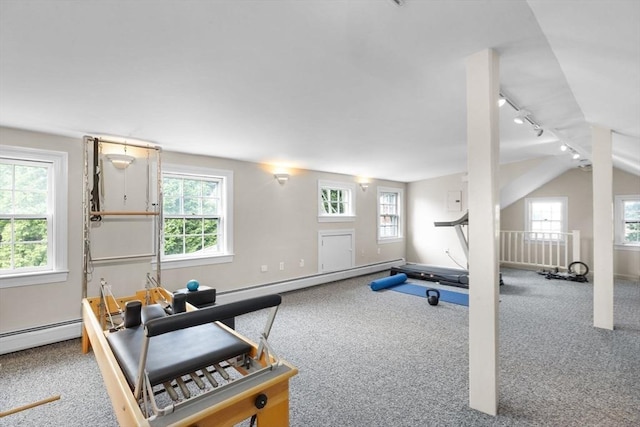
(389, 359)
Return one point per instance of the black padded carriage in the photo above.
(183, 343)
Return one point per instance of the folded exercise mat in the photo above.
(388, 281)
(421, 291)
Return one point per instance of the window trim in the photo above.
(618, 210)
(337, 185)
(565, 215)
(226, 255)
(58, 195)
(400, 236)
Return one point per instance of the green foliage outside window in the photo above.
(23, 219)
(191, 209)
(632, 221)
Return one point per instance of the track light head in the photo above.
(563, 147)
(521, 117)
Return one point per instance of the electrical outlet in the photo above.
(378, 251)
(281, 265)
(264, 268)
(301, 263)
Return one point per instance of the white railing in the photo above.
(547, 250)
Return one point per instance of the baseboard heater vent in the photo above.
(40, 335)
(305, 282)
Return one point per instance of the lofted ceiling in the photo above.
(360, 87)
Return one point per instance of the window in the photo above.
(336, 201)
(197, 216)
(389, 214)
(546, 218)
(33, 216)
(627, 221)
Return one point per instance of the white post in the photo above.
(483, 147)
(575, 251)
(602, 228)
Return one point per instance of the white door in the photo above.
(335, 250)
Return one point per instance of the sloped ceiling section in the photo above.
(364, 88)
(597, 44)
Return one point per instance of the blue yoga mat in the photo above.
(398, 283)
(421, 291)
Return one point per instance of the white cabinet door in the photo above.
(336, 251)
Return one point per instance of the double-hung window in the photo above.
(546, 218)
(336, 201)
(33, 216)
(197, 216)
(627, 221)
(389, 214)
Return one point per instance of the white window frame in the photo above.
(225, 254)
(620, 243)
(527, 217)
(57, 270)
(350, 214)
(400, 200)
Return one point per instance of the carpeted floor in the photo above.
(389, 359)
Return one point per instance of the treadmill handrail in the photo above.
(462, 221)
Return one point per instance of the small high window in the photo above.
(336, 201)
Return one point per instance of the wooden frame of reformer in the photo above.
(219, 411)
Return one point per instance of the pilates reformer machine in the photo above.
(185, 368)
(164, 361)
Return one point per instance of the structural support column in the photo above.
(483, 87)
(602, 228)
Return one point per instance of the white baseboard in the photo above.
(304, 282)
(36, 337)
(49, 334)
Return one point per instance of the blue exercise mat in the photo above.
(398, 283)
(421, 291)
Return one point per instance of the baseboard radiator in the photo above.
(305, 282)
(41, 335)
(49, 334)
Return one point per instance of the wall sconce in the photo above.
(281, 177)
(364, 186)
(120, 161)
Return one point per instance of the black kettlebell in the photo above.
(433, 299)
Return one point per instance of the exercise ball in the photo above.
(193, 284)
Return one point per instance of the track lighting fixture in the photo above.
(538, 130)
(521, 116)
(563, 147)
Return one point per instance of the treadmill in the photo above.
(444, 275)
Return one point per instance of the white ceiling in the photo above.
(364, 88)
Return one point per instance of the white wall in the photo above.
(273, 223)
(427, 203)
